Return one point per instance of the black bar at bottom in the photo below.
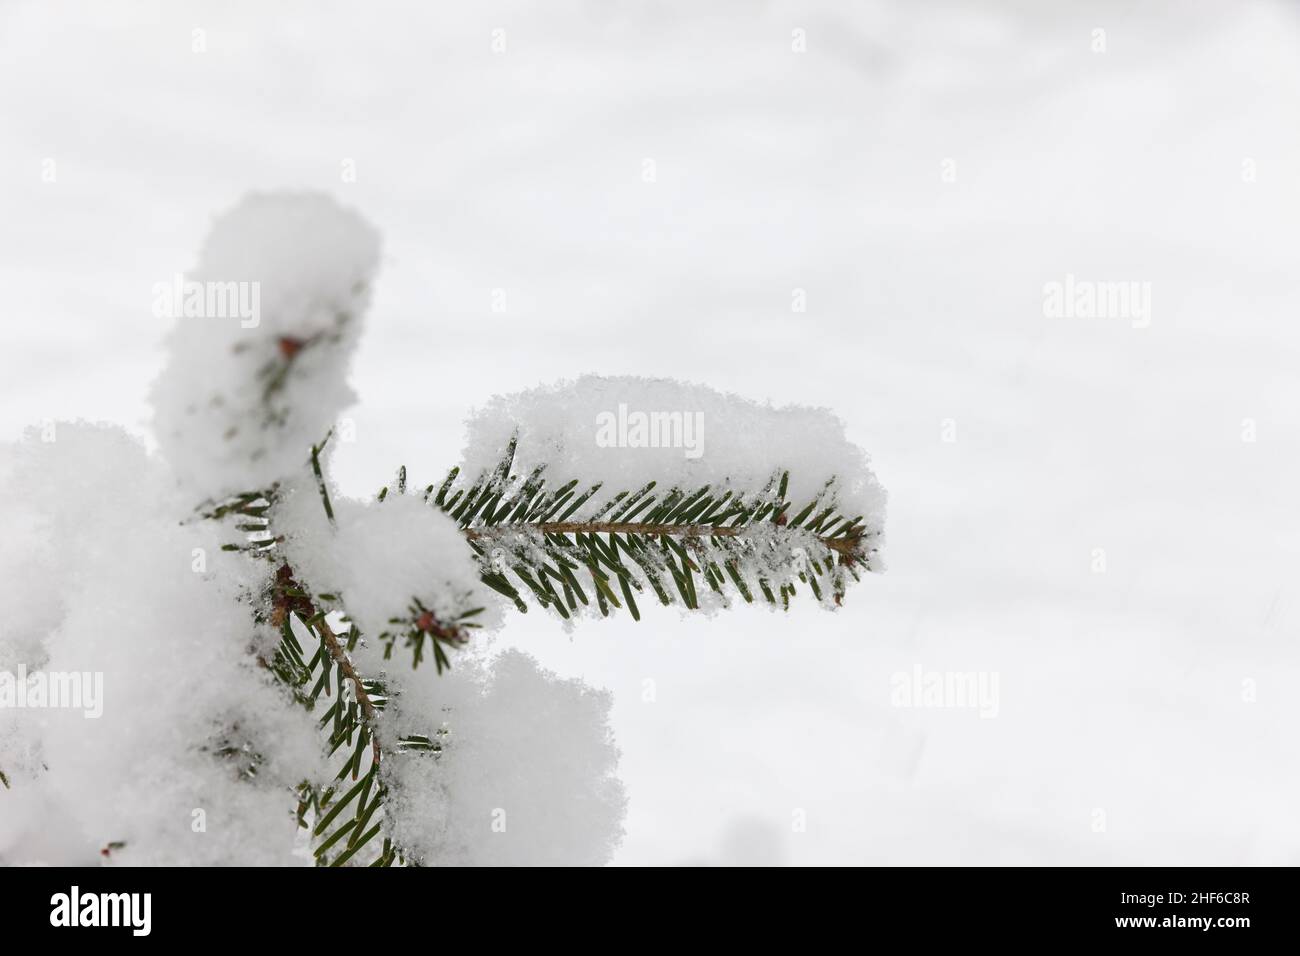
(1153, 905)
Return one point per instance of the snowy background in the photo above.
(920, 171)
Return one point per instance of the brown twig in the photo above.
(301, 605)
(340, 657)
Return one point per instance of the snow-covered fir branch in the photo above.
(305, 673)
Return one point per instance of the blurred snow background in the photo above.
(920, 171)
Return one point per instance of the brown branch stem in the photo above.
(301, 605)
(340, 657)
(846, 547)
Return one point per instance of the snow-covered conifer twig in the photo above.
(341, 600)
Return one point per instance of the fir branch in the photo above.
(351, 726)
(533, 540)
(561, 545)
(848, 548)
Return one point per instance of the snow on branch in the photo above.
(623, 431)
(264, 330)
(629, 485)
